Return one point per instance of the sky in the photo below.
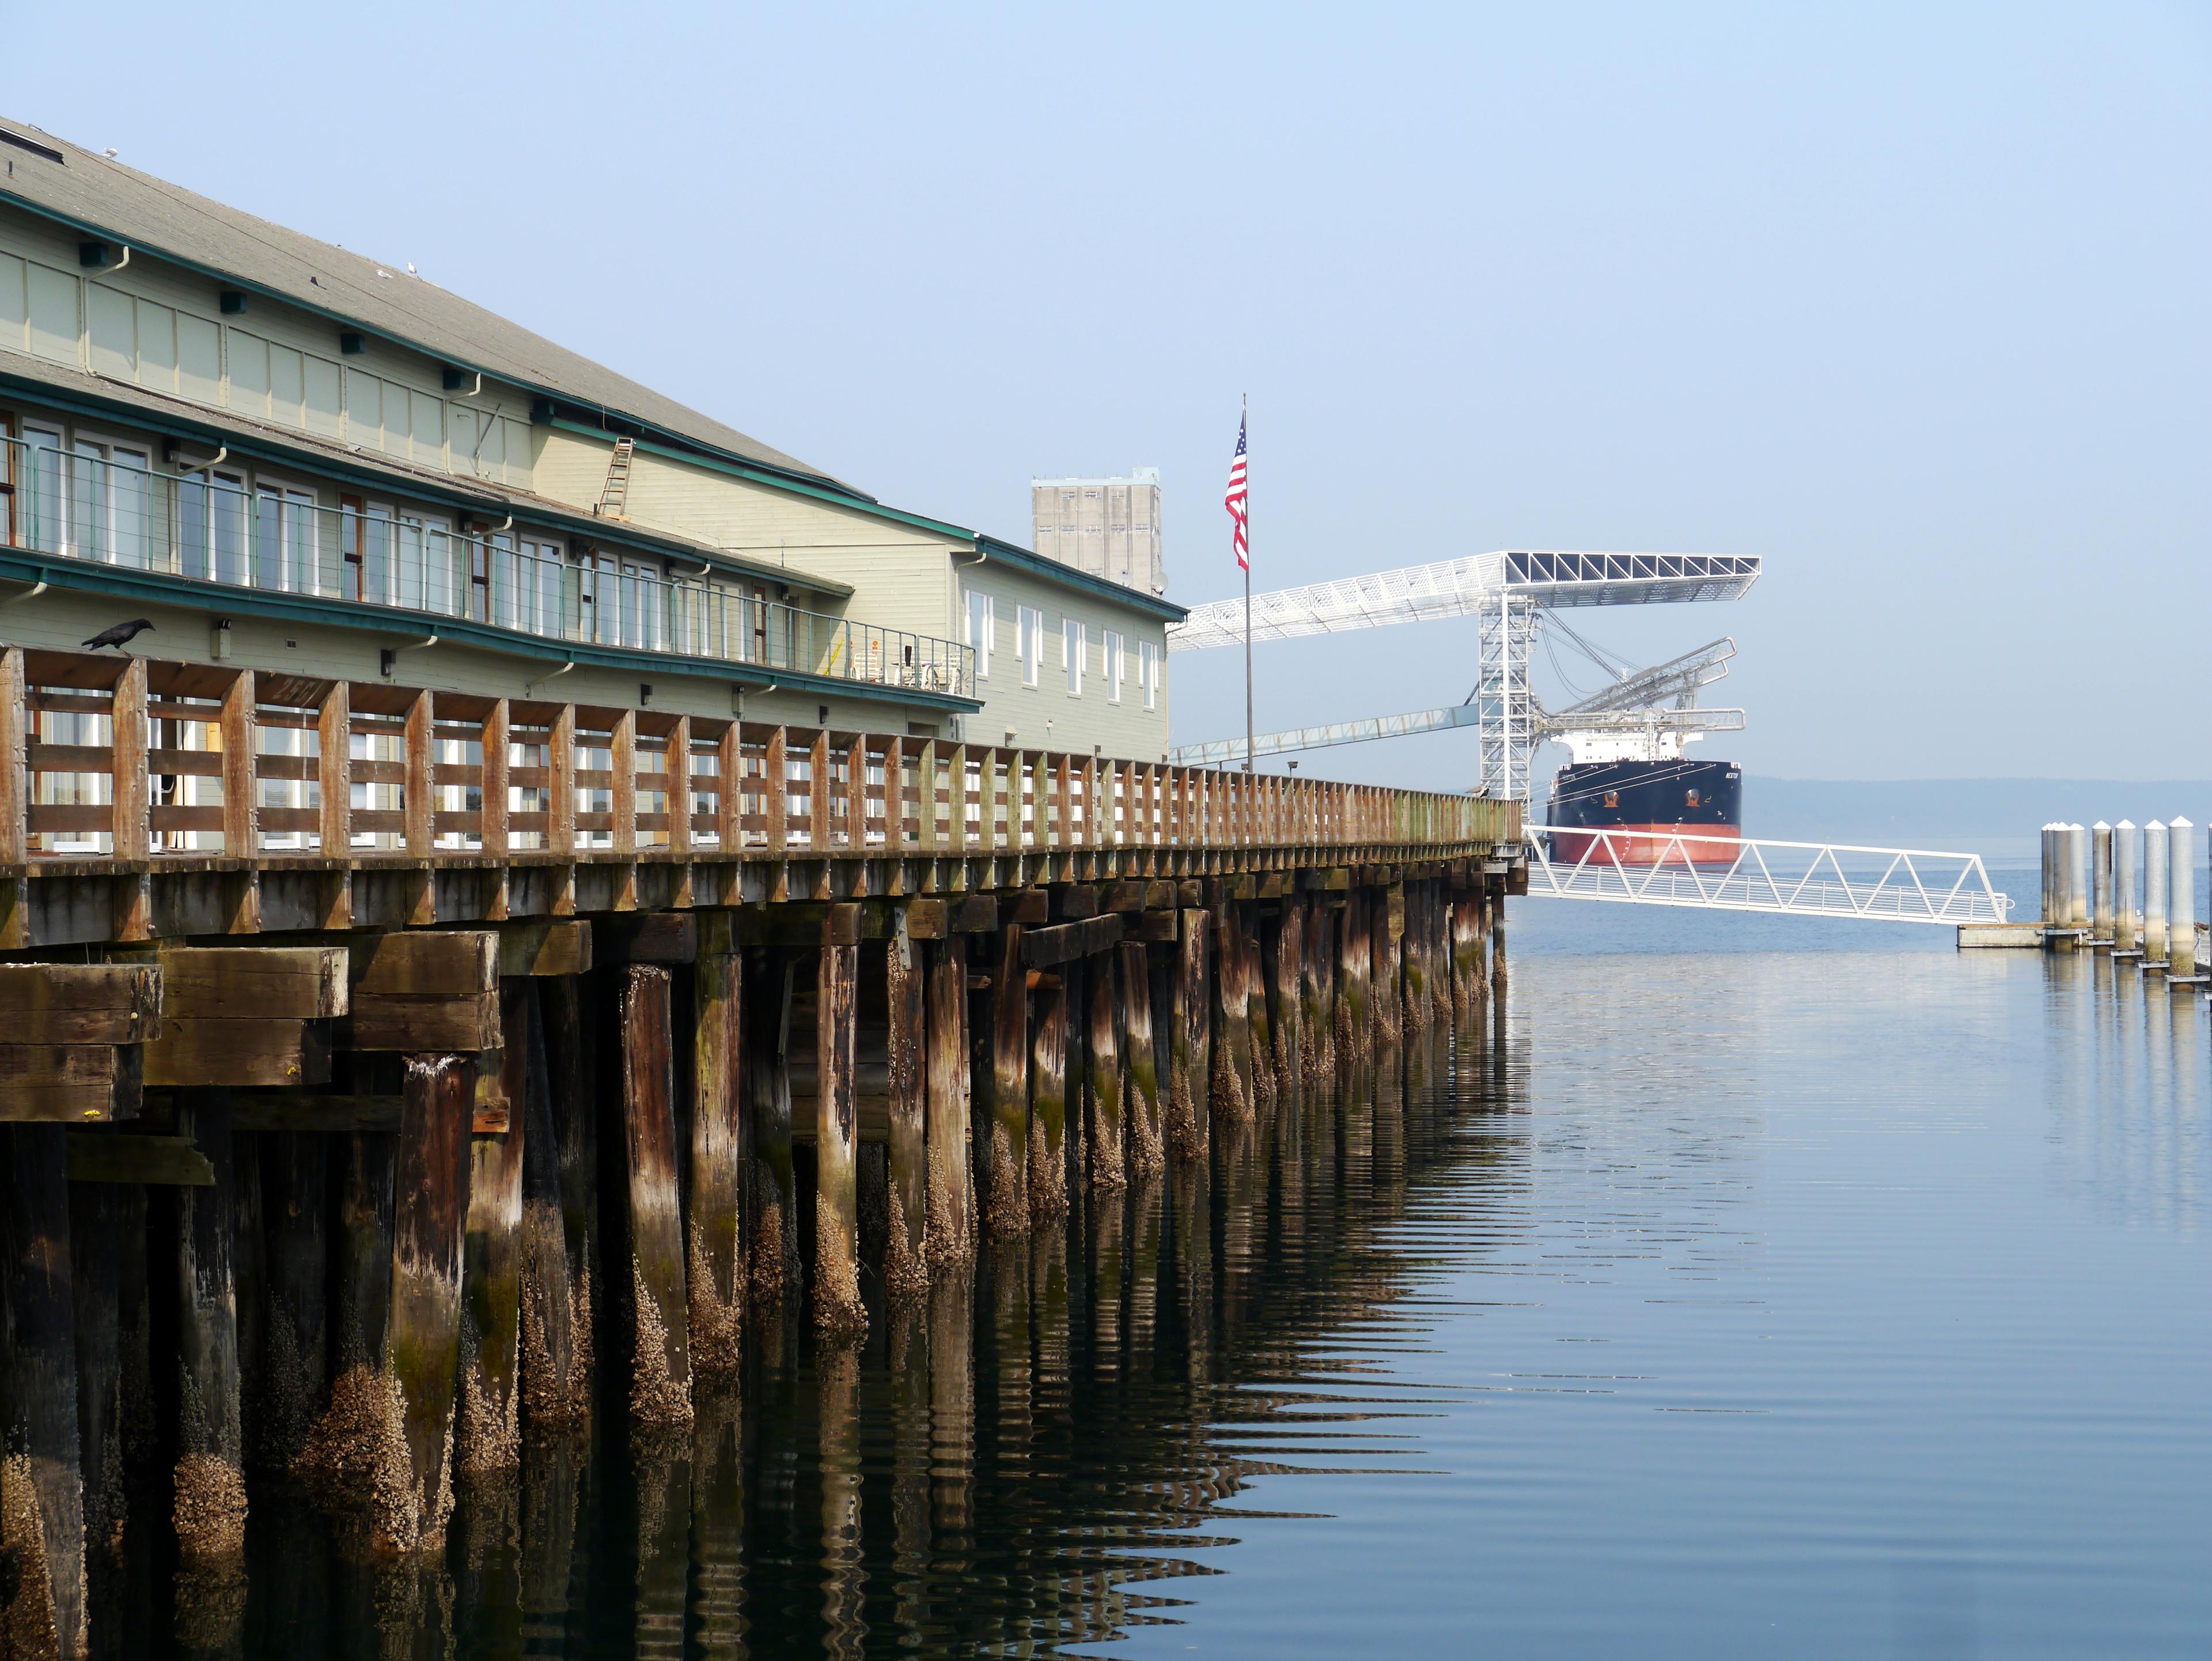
(1908, 301)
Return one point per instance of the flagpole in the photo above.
(1245, 426)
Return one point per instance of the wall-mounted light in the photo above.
(219, 639)
(387, 660)
(644, 694)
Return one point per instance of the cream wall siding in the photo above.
(1125, 729)
(161, 327)
(899, 576)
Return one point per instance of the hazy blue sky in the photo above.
(1910, 300)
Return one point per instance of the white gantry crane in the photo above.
(1509, 593)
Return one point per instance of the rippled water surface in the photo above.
(1747, 1288)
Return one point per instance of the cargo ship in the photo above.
(1647, 804)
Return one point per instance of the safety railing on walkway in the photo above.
(1743, 874)
(109, 758)
(110, 509)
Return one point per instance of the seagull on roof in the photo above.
(120, 635)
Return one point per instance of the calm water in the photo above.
(1755, 1288)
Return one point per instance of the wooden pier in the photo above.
(391, 1077)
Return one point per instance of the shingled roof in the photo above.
(102, 198)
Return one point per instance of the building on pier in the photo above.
(290, 457)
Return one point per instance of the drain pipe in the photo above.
(31, 592)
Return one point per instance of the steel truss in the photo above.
(1795, 879)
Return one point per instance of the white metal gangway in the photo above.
(1792, 879)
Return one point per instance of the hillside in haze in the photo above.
(1936, 813)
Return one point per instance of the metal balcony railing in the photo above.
(87, 506)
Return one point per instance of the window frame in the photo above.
(1074, 647)
(1114, 649)
(1028, 642)
(981, 623)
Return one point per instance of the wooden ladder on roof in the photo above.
(614, 496)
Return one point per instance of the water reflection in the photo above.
(1033, 1460)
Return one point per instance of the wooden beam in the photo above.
(952, 1203)
(839, 1313)
(42, 1532)
(133, 823)
(1142, 1123)
(658, 937)
(334, 769)
(452, 1023)
(311, 1112)
(488, 1437)
(658, 1331)
(906, 1045)
(1105, 1141)
(79, 1003)
(498, 751)
(96, 1156)
(241, 804)
(418, 800)
(715, 1272)
(15, 759)
(70, 1083)
(544, 947)
(429, 1223)
(210, 1512)
(1007, 1205)
(1043, 948)
(254, 983)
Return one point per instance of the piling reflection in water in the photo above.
(1034, 1457)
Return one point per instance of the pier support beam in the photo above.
(952, 1198)
(1142, 1118)
(656, 1332)
(1048, 1151)
(490, 1432)
(1106, 1090)
(839, 1314)
(772, 1254)
(715, 1246)
(429, 1223)
(555, 1398)
(295, 1211)
(1005, 1201)
(42, 1534)
(906, 1271)
(1230, 1093)
(210, 1509)
(1191, 1055)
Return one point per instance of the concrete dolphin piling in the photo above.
(2101, 913)
(2157, 868)
(2127, 888)
(2181, 899)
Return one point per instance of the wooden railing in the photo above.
(137, 759)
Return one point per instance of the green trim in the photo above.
(599, 530)
(23, 566)
(1035, 564)
(234, 280)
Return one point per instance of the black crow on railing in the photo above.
(120, 635)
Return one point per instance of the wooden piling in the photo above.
(951, 1228)
(295, 1358)
(490, 1429)
(839, 1314)
(353, 1454)
(1355, 1020)
(1497, 906)
(555, 1396)
(1253, 989)
(572, 1079)
(429, 1221)
(656, 1328)
(772, 1254)
(714, 1241)
(1190, 1068)
(1231, 1091)
(208, 1514)
(42, 1512)
(1142, 1115)
(1284, 960)
(1048, 1152)
(906, 1271)
(1106, 1082)
(1005, 1201)
(106, 1229)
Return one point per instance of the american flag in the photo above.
(1235, 502)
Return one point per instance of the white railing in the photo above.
(1733, 873)
(81, 506)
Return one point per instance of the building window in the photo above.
(1112, 666)
(1028, 642)
(1148, 672)
(978, 632)
(1071, 653)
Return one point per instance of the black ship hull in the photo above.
(1673, 811)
